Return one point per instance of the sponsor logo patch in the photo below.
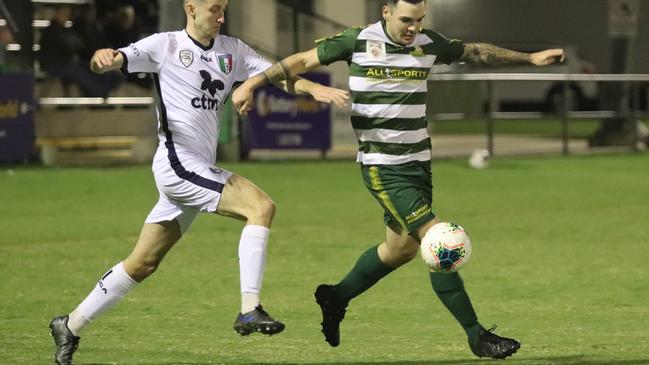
(206, 102)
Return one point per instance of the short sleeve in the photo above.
(252, 63)
(147, 54)
(339, 47)
(447, 50)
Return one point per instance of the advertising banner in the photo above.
(282, 121)
(16, 117)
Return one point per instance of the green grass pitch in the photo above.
(560, 262)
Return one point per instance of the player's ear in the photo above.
(386, 12)
(191, 10)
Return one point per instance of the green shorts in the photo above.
(404, 191)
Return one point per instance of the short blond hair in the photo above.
(393, 3)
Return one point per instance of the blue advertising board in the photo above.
(16, 117)
(283, 121)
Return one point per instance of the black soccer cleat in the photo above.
(491, 345)
(257, 320)
(332, 313)
(66, 342)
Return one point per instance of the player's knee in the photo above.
(407, 253)
(261, 212)
(141, 269)
(266, 209)
(397, 256)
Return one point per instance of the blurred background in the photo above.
(54, 111)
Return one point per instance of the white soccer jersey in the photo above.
(192, 81)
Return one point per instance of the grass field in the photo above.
(560, 262)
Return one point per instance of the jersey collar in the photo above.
(197, 43)
(385, 30)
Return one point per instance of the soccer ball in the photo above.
(479, 159)
(446, 247)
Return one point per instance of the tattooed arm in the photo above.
(284, 75)
(286, 69)
(488, 54)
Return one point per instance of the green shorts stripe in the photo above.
(405, 192)
(383, 196)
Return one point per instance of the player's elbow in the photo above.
(309, 59)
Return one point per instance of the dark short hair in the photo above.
(392, 3)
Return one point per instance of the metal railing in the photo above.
(141, 101)
(62, 2)
(565, 114)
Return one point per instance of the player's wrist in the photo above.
(267, 80)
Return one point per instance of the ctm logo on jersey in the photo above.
(204, 102)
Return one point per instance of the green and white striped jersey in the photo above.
(388, 86)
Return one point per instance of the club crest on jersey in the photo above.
(186, 57)
(376, 50)
(225, 63)
(418, 52)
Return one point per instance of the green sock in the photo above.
(368, 270)
(450, 290)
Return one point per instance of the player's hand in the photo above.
(326, 94)
(242, 100)
(547, 57)
(103, 60)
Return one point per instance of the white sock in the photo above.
(110, 289)
(249, 301)
(77, 322)
(252, 261)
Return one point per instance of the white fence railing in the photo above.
(630, 114)
(537, 77)
(488, 114)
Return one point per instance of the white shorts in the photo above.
(187, 187)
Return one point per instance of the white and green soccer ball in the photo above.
(446, 247)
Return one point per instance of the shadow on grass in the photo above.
(549, 360)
